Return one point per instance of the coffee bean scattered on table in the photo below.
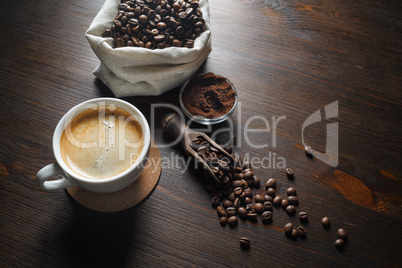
(247, 200)
(266, 217)
(237, 183)
(268, 198)
(221, 211)
(303, 216)
(267, 206)
(339, 244)
(284, 203)
(293, 200)
(250, 208)
(215, 201)
(231, 196)
(244, 243)
(242, 212)
(256, 182)
(326, 222)
(302, 231)
(252, 216)
(248, 174)
(259, 198)
(259, 208)
(246, 165)
(271, 192)
(227, 203)
(291, 191)
(223, 220)
(232, 221)
(342, 234)
(231, 211)
(291, 210)
(248, 192)
(288, 229)
(156, 24)
(237, 203)
(295, 234)
(277, 201)
(238, 191)
(290, 174)
(271, 183)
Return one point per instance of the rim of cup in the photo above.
(75, 111)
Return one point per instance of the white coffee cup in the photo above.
(72, 178)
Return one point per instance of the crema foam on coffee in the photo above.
(102, 142)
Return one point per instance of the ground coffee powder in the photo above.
(209, 96)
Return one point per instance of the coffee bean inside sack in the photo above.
(156, 24)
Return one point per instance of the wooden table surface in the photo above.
(287, 59)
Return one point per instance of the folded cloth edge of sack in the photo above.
(133, 73)
(158, 85)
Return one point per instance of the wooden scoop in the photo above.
(174, 126)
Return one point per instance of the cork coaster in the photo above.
(128, 197)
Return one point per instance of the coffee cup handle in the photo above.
(43, 176)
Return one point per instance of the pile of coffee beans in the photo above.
(156, 23)
(234, 198)
(232, 194)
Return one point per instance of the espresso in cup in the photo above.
(101, 142)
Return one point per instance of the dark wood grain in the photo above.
(286, 58)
